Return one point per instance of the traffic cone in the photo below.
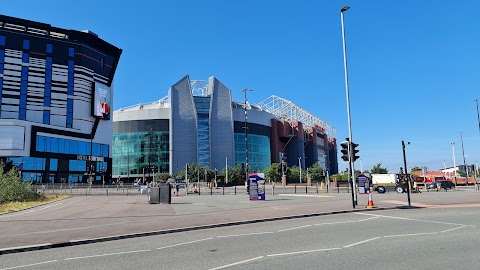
(370, 201)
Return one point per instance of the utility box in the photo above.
(165, 194)
(153, 195)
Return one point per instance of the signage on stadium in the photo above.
(80, 157)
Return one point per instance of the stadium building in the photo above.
(56, 92)
(198, 122)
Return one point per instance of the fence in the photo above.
(194, 189)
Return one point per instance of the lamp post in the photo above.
(300, 166)
(351, 166)
(464, 163)
(476, 170)
(406, 175)
(478, 115)
(454, 165)
(246, 137)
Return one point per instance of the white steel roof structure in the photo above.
(288, 111)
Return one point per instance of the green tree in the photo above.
(415, 168)
(236, 175)
(377, 168)
(12, 188)
(293, 175)
(274, 172)
(316, 172)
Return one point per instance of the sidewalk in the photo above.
(81, 220)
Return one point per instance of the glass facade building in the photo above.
(199, 123)
(47, 81)
(258, 151)
(135, 153)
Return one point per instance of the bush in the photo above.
(12, 188)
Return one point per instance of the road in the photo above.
(421, 238)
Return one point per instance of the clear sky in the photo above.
(414, 66)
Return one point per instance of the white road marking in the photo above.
(410, 234)
(361, 242)
(333, 223)
(29, 211)
(449, 230)
(245, 234)
(367, 219)
(344, 222)
(413, 219)
(237, 263)
(295, 228)
(108, 254)
(27, 265)
(210, 238)
(301, 252)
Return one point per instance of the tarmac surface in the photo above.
(89, 219)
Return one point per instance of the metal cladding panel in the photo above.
(221, 125)
(257, 117)
(183, 125)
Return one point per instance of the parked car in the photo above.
(443, 184)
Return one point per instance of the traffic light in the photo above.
(284, 167)
(153, 169)
(216, 172)
(354, 151)
(188, 170)
(344, 150)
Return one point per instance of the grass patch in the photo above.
(17, 206)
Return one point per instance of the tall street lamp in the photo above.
(464, 163)
(454, 165)
(351, 166)
(300, 166)
(478, 115)
(406, 175)
(246, 136)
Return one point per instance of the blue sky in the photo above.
(414, 66)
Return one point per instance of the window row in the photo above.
(66, 146)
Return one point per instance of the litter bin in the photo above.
(153, 195)
(165, 194)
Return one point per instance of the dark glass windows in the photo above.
(2, 40)
(26, 44)
(22, 115)
(46, 117)
(69, 113)
(49, 48)
(71, 52)
(66, 146)
(25, 58)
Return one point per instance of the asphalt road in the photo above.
(422, 238)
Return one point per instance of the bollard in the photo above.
(317, 186)
(235, 189)
(295, 189)
(306, 189)
(273, 189)
(327, 187)
(211, 189)
(223, 191)
(107, 191)
(199, 188)
(86, 192)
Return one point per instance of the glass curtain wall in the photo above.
(202, 105)
(136, 153)
(259, 157)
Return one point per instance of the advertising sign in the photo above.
(257, 187)
(101, 101)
